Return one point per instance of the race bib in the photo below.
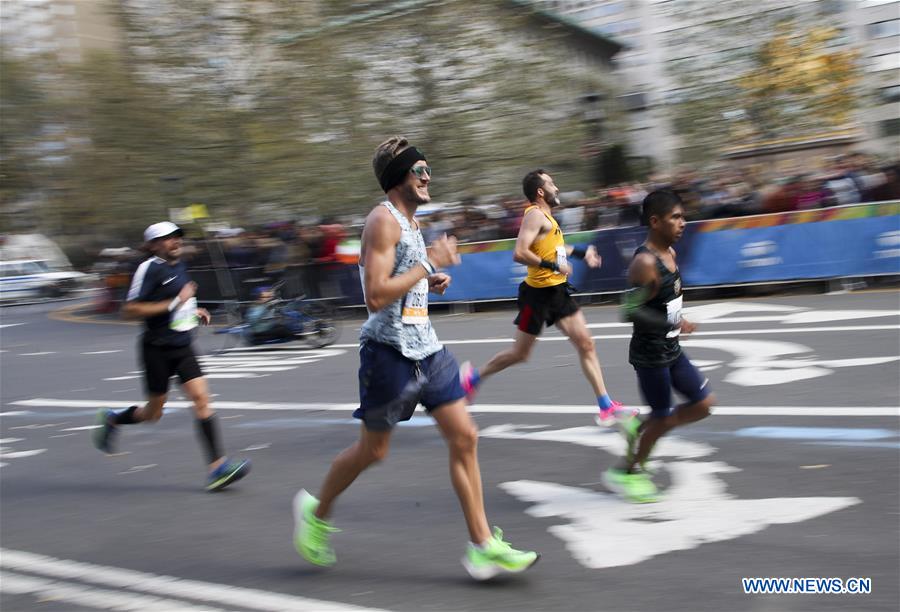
(673, 315)
(561, 259)
(415, 305)
(184, 318)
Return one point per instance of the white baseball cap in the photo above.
(161, 230)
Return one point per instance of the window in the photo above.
(889, 94)
(634, 101)
(886, 61)
(831, 7)
(890, 127)
(883, 29)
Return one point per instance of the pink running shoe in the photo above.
(614, 414)
(469, 379)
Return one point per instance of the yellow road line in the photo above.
(71, 314)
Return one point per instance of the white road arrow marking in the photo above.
(603, 531)
(761, 362)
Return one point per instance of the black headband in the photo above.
(395, 172)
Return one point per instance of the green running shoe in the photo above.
(496, 557)
(634, 487)
(311, 534)
(630, 429)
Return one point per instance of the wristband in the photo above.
(429, 267)
(550, 265)
(578, 252)
(174, 303)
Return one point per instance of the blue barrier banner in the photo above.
(857, 240)
(818, 249)
(483, 276)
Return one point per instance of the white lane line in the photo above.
(14, 413)
(169, 586)
(102, 352)
(225, 375)
(2, 325)
(36, 354)
(10, 440)
(226, 368)
(122, 377)
(813, 411)
(139, 468)
(722, 332)
(103, 599)
(84, 428)
(20, 454)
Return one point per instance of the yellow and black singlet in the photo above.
(549, 247)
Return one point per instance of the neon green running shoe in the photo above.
(634, 487)
(311, 534)
(630, 429)
(496, 557)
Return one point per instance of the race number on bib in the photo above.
(184, 318)
(673, 315)
(415, 305)
(561, 259)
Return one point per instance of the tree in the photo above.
(799, 86)
(271, 110)
(795, 83)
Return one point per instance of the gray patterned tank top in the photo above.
(404, 324)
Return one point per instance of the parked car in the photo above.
(31, 278)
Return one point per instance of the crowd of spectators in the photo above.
(714, 193)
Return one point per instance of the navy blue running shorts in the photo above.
(391, 386)
(657, 383)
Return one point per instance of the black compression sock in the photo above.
(208, 432)
(126, 417)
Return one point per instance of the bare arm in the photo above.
(528, 233)
(644, 281)
(380, 237)
(591, 257)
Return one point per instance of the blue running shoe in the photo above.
(105, 433)
(227, 473)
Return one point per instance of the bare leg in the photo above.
(152, 411)
(198, 392)
(371, 447)
(575, 328)
(461, 434)
(519, 352)
(654, 429)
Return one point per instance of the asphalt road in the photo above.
(795, 475)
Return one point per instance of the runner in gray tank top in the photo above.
(402, 363)
(391, 325)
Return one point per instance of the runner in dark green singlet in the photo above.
(653, 305)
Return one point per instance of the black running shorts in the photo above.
(162, 362)
(540, 305)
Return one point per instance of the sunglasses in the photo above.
(419, 171)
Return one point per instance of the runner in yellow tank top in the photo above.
(548, 247)
(544, 296)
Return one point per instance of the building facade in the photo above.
(670, 43)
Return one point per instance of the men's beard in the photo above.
(554, 201)
(411, 195)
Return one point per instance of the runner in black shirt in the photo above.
(163, 295)
(653, 305)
